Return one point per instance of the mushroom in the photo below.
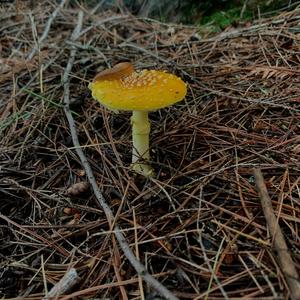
(123, 88)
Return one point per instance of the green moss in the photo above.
(221, 19)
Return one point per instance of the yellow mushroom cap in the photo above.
(146, 90)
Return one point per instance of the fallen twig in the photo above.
(64, 285)
(140, 268)
(46, 30)
(284, 257)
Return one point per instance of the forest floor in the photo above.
(198, 226)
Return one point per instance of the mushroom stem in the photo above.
(140, 139)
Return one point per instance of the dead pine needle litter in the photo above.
(196, 229)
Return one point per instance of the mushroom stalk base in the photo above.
(140, 139)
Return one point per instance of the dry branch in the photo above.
(140, 269)
(67, 282)
(46, 30)
(284, 257)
